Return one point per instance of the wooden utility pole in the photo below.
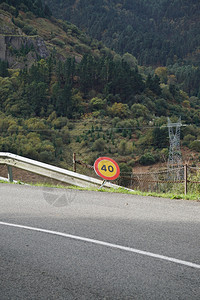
(74, 162)
(185, 178)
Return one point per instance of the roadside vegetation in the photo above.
(83, 97)
(193, 196)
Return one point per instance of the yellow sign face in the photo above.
(107, 168)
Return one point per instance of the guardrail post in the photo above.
(185, 179)
(10, 174)
(74, 162)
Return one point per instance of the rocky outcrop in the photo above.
(21, 50)
(2, 48)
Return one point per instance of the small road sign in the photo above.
(106, 168)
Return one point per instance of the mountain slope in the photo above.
(154, 31)
(25, 37)
(60, 89)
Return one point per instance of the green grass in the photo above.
(194, 197)
(154, 194)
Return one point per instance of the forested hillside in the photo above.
(156, 32)
(35, 6)
(62, 91)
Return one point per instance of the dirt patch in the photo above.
(27, 177)
(189, 157)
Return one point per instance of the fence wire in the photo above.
(193, 178)
(161, 181)
(172, 180)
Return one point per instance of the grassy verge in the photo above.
(195, 197)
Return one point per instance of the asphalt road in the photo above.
(97, 245)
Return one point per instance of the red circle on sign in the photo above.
(106, 168)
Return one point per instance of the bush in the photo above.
(97, 103)
(46, 156)
(6, 7)
(58, 42)
(29, 30)
(188, 139)
(19, 23)
(99, 145)
(124, 168)
(81, 48)
(65, 135)
(92, 159)
(125, 171)
(195, 145)
(29, 15)
(125, 148)
(119, 110)
(131, 163)
(164, 153)
(139, 110)
(147, 159)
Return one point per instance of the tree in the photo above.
(130, 60)
(99, 145)
(119, 110)
(153, 83)
(160, 137)
(195, 145)
(97, 103)
(3, 68)
(139, 110)
(36, 94)
(161, 72)
(147, 159)
(62, 99)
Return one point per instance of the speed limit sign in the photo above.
(106, 168)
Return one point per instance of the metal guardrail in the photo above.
(62, 175)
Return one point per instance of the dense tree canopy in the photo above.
(48, 104)
(35, 6)
(154, 31)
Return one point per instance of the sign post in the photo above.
(106, 168)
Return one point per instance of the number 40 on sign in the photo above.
(106, 168)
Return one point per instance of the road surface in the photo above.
(57, 244)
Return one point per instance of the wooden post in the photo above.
(74, 162)
(185, 179)
(10, 175)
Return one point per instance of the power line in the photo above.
(95, 129)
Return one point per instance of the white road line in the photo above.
(97, 242)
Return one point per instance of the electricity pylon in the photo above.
(175, 162)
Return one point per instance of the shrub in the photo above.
(119, 110)
(99, 145)
(29, 30)
(46, 156)
(125, 171)
(19, 23)
(125, 148)
(58, 42)
(122, 147)
(188, 139)
(8, 8)
(92, 159)
(131, 163)
(80, 48)
(164, 153)
(97, 103)
(195, 145)
(65, 135)
(147, 159)
(124, 168)
(139, 110)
